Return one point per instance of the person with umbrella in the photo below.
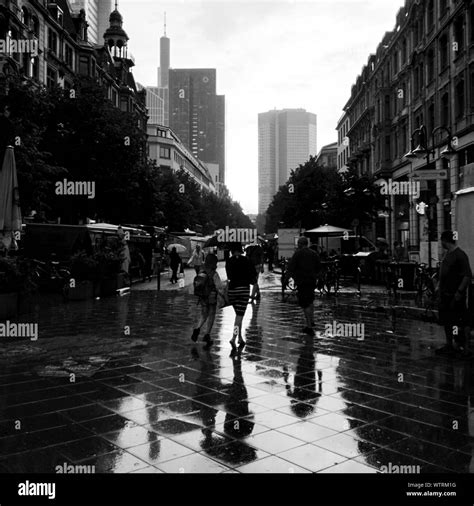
(175, 263)
(197, 259)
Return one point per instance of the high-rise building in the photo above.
(197, 114)
(286, 139)
(97, 15)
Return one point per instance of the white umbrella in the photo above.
(179, 247)
(10, 213)
(327, 230)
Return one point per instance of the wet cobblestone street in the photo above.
(118, 384)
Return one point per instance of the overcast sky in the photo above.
(268, 54)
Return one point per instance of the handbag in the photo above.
(223, 298)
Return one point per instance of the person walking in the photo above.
(454, 279)
(241, 274)
(175, 262)
(304, 267)
(254, 253)
(197, 259)
(207, 287)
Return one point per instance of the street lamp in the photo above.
(423, 151)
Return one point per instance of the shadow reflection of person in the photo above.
(306, 389)
(206, 381)
(254, 333)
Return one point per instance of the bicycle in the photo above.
(329, 277)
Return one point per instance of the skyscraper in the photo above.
(286, 139)
(197, 114)
(97, 16)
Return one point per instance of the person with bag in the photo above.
(197, 259)
(175, 262)
(255, 254)
(241, 274)
(207, 288)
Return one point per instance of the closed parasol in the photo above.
(10, 213)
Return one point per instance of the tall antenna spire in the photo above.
(116, 5)
(165, 24)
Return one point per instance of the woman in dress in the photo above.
(241, 274)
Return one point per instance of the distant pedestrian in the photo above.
(207, 287)
(270, 256)
(197, 259)
(241, 274)
(175, 263)
(398, 252)
(304, 267)
(254, 253)
(454, 279)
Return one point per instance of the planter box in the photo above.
(110, 286)
(8, 305)
(83, 291)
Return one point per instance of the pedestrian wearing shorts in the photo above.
(304, 267)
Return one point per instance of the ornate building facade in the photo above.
(421, 74)
(59, 50)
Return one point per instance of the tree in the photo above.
(315, 195)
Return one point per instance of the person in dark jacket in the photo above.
(175, 262)
(304, 267)
(241, 274)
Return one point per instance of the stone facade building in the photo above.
(421, 74)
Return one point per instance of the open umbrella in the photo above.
(179, 247)
(10, 213)
(328, 231)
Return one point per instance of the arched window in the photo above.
(25, 16)
(35, 26)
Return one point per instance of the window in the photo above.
(84, 65)
(51, 78)
(165, 153)
(387, 148)
(52, 41)
(69, 56)
(35, 67)
(431, 65)
(395, 62)
(431, 117)
(25, 16)
(404, 51)
(418, 85)
(460, 103)
(36, 27)
(443, 7)
(430, 15)
(471, 22)
(471, 85)
(387, 115)
(459, 35)
(443, 51)
(445, 120)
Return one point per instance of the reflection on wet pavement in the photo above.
(153, 402)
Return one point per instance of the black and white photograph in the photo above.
(236, 238)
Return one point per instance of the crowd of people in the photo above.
(243, 271)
